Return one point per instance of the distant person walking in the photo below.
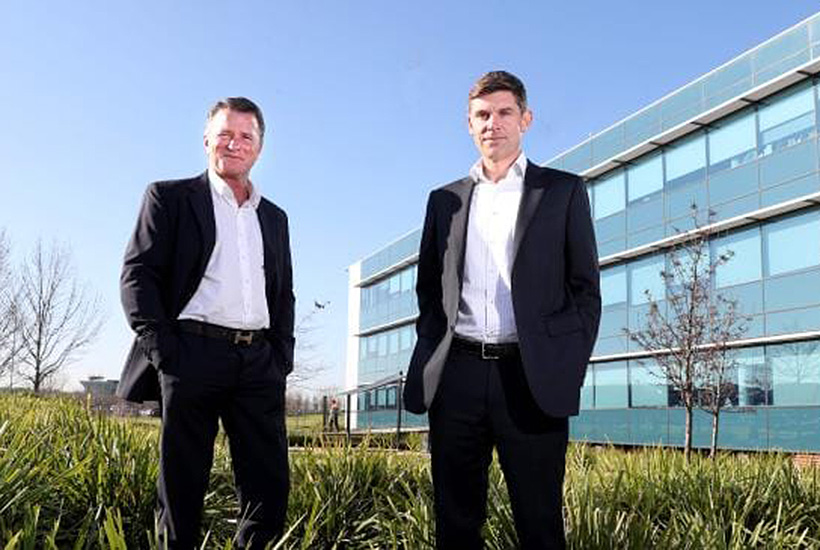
(333, 417)
(207, 288)
(509, 304)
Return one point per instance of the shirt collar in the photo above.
(514, 175)
(221, 188)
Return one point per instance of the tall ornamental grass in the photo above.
(72, 479)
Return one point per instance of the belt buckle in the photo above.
(485, 354)
(242, 337)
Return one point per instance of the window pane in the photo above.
(394, 342)
(609, 195)
(407, 337)
(645, 178)
(649, 387)
(754, 384)
(686, 160)
(610, 385)
(732, 143)
(613, 285)
(407, 280)
(646, 275)
(787, 120)
(395, 283)
(793, 243)
(795, 371)
(745, 265)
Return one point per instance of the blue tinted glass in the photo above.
(613, 285)
(645, 177)
(754, 384)
(613, 321)
(731, 184)
(793, 243)
(646, 275)
(611, 389)
(795, 369)
(786, 119)
(745, 265)
(787, 164)
(609, 195)
(738, 71)
(793, 290)
(587, 390)
(686, 159)
(649, 388)
(782, 47)
(732, 142)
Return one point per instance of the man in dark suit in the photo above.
(207, 287)
(509, 304)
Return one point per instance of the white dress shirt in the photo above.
(485, 310)
(232, 291)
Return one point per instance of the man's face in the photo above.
(497, 124)
(233, 143)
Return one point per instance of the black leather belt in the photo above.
(231, 335)
(485, 350)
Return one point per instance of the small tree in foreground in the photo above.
(690, 330)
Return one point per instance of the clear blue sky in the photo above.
(365, 101)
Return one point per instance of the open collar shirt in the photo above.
(232, 291)
(485, 310)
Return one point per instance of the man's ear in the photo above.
(526, 121)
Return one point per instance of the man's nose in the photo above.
(233, 144)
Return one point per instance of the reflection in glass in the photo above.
(745, 265)
(646, 275)
(795, 371)
(609, 195)
(732, 142)
(786, 120)
(793, 243)
(685, 161)
(613, 285)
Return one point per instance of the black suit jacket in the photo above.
(164, 263)
(555, 287)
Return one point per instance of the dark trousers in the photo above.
(206, 381)
(481, 404)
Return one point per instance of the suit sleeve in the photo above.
(281, 330)
(431, 320)
(583, 277)
(145, 274)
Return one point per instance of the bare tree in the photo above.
(9, 340)
(690, 330)
(57, 317)
(717, 383)
(307, 364)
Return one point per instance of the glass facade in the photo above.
(762, 155)
(776, 57)
(389, 299)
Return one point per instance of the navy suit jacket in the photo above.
(555, 288)
(164, 263)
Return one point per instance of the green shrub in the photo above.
(72, 479)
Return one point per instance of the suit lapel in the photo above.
(203, 207)
(458, 227)
(534, 187)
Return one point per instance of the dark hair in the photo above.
(240, 105)
(498, 81)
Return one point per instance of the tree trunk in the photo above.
(687, 442)
(715, 425)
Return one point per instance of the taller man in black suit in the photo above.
(509, 304)
(207, 287)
